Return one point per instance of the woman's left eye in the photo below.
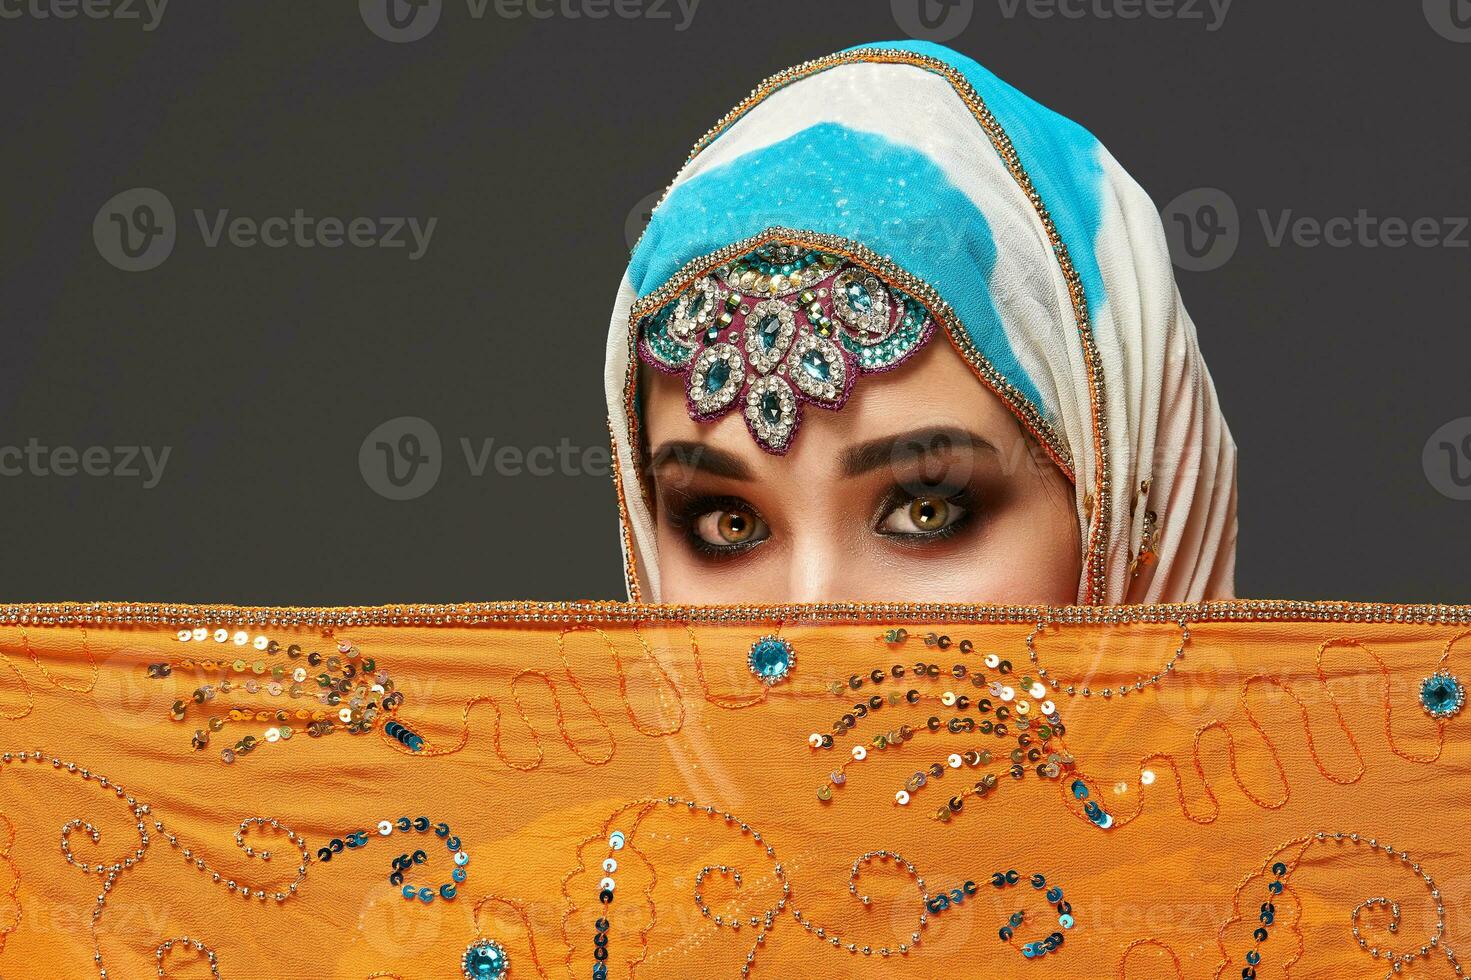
(922, 516)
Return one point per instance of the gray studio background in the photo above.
(533, 142)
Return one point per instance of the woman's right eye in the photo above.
(727, 528)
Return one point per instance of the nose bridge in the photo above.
(815, 573)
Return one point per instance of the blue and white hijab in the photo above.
(1016, 232)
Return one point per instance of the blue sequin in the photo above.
(1441, 695)
(771, 659)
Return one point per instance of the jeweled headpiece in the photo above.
(782, 326)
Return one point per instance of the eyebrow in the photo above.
(699, 456)
(915, 444)
(855, 461)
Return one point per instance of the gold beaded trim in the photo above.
(555, 614)
(1096, 553)
(625, 526)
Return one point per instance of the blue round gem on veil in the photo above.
(771, 659)
(485, 959)
(1442, 695)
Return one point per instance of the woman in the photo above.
(898, 332)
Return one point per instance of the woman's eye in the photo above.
(921, 516)
(727, 528)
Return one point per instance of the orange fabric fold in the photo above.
(538, 740)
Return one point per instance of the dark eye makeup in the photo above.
(721, 526)
(927, 514)
(715, 526)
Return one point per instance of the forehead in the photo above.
(936, 388)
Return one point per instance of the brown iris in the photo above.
(929, 513)
(736, 526)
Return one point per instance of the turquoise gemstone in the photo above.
(858, 297)
(771, 407)
(768, 328)
(485, 960)
(717, 376)
(695, 305)
(816, 366)
(657, 325)
(771, 659)
(1441, 695)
